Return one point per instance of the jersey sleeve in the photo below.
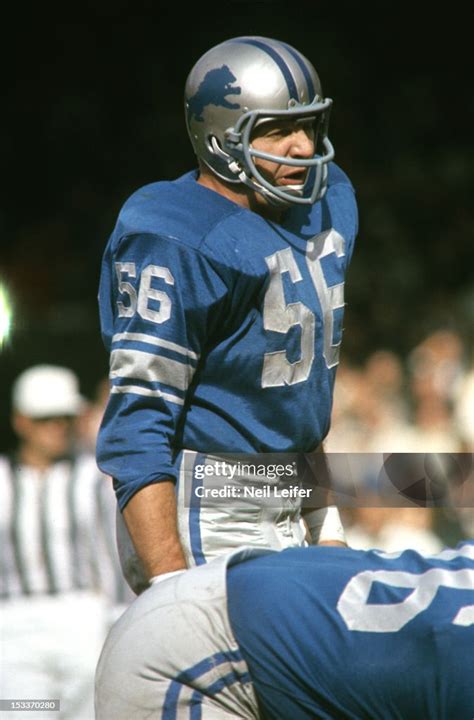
(160, 302)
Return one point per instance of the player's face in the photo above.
(290, 139)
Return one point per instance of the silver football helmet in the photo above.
(240, 84)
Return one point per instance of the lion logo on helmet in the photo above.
(213, 89)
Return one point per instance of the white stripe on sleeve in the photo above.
(153, 340)
(138, 365)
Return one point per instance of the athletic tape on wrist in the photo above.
(325, 524)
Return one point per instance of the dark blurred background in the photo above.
(93, 110)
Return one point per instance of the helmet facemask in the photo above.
(241, 155)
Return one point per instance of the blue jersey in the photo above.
(223, 327)
(338, 633)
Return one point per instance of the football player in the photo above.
(221, 302)
(300, 634)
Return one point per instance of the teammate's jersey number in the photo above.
(280, 317)
(359, 614)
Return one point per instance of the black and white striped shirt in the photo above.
(57, 531)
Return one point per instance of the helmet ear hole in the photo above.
(213, 143)
(215, 148)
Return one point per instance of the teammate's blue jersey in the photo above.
(336, 633)
(223, 327)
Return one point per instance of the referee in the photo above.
(59, 574)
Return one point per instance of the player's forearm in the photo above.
(150, 517)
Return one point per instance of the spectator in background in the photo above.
(393, 529)
(60, 578)
(382, 406)
(464, 410)
(436, 365)
(436, 368)
(371, 412)
(423, 406)
(388, 424)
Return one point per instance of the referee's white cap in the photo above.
(47, 391)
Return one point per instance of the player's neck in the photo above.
(240, 195)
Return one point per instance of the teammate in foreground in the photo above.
(301, 634)
(221, 304)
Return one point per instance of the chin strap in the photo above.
(325, 524)
(241, 176)
(254, 185)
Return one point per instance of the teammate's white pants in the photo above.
(49, 647)
(173, 655)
